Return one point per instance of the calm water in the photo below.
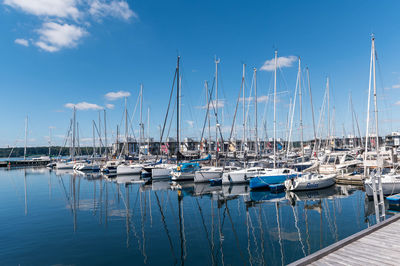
(49, 217)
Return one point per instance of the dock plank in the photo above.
(376, 245)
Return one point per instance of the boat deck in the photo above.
(376, 245)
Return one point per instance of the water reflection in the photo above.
(170, 222)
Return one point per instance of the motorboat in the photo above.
(310, 181)
(390, 180)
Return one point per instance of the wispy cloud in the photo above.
(22, 42)
(109, 106)
(397, 103)
(190, 123)
(84, 106)
(213, 104)
(116, 9)
(65, 22)
(283, 61)
(396, 86)
(52, 8)
(112, 96)
(260, 99)
(54, 36)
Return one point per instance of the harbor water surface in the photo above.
(51, 217)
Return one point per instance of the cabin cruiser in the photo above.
(310, 181)
(390, 179)
(61, 165)
(338, 163)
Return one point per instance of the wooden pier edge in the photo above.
(348, 240)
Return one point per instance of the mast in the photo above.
(177, 113)
(216, 111)
(126, 127)
(94, 140)
(244, 115)
(329, 112)
(105, 134)
(141, 121)
(74, 134)
(375, 97)
(312, 108)
(255, 107)
(208, 114)
(26, 136)
(148, 130)
(301, 113)
(276, 65)
(99, 133)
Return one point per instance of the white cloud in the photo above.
(53, 8)
(65, 22)
(117, 9)
(54, 36)
(260, 99)
(109, 106)
(84, 106)
(397, 103)
(396, 86)
(112, 96)
(213, 104)
(22, 42)
(190, 123)
(282, 62)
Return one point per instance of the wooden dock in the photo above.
(376, 245)
(24, 163)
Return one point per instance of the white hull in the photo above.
(241, 176)
(205, 176)
(176, 176)
(390, 185)
(310, 182)
(132, 169)
(64, 166)
(161, 172)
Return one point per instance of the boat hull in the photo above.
(205, 176)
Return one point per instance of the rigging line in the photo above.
(206, 231)
(234, 231)
(166, 228)
(208, 110)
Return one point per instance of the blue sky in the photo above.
(55, 52)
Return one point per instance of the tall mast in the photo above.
(369, 102)
(216, 111)
(141, 121)
(276, 65)
(329, 112)
(100, 133)
(74, 134)
(26, 136)
(375, 97)
(208, 116)
(244, 105)
(312, 108)
(255, 106)
(105, 134)
(177, 113)
(301, 112)
(94, 140)
(126, 127)
(148, 130)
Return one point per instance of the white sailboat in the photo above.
(310, 181)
